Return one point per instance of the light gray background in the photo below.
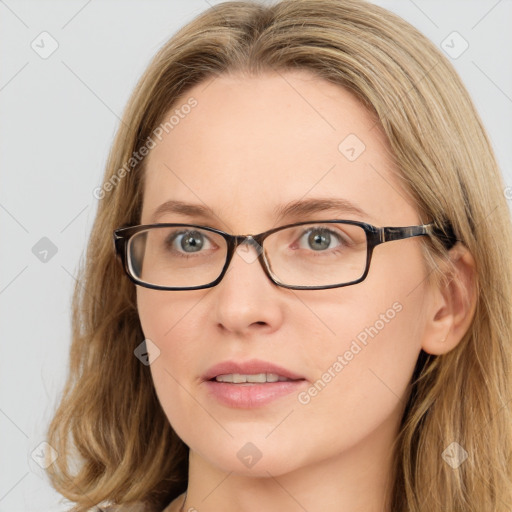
(58, 119)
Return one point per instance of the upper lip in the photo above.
(250, 367)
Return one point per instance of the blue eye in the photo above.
(190, 241)
(320, 239)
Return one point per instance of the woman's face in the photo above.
(248, 147)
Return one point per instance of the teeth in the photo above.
(237, 378)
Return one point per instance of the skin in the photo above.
(251, 144)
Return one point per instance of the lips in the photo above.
(251, 367)
(228, 383)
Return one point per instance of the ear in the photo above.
(452, 305)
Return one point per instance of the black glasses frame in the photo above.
(374, 237)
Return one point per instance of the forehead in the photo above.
(252, 143)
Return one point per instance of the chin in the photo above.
(273, 464)
(258, 458)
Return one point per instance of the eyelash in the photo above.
(169, 242)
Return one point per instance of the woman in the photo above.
(351, 351)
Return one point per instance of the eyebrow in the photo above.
(182, 208)
(298, 208)
(303, 208)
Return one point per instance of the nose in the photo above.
(246, 300)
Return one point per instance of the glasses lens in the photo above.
(180, 256)
(317, 254)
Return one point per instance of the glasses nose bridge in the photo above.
(240, 239)
(257, 242)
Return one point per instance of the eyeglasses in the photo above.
(303, 256)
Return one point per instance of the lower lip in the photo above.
(247, 396)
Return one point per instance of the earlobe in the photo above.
(452, 304)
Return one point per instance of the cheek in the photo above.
(361, 370)
(365, 351)
(169, 320)
(368, 339)
(162, 314)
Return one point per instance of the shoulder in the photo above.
(134, 507)
(174, 506)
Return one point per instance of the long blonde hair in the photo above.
(113, 438)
